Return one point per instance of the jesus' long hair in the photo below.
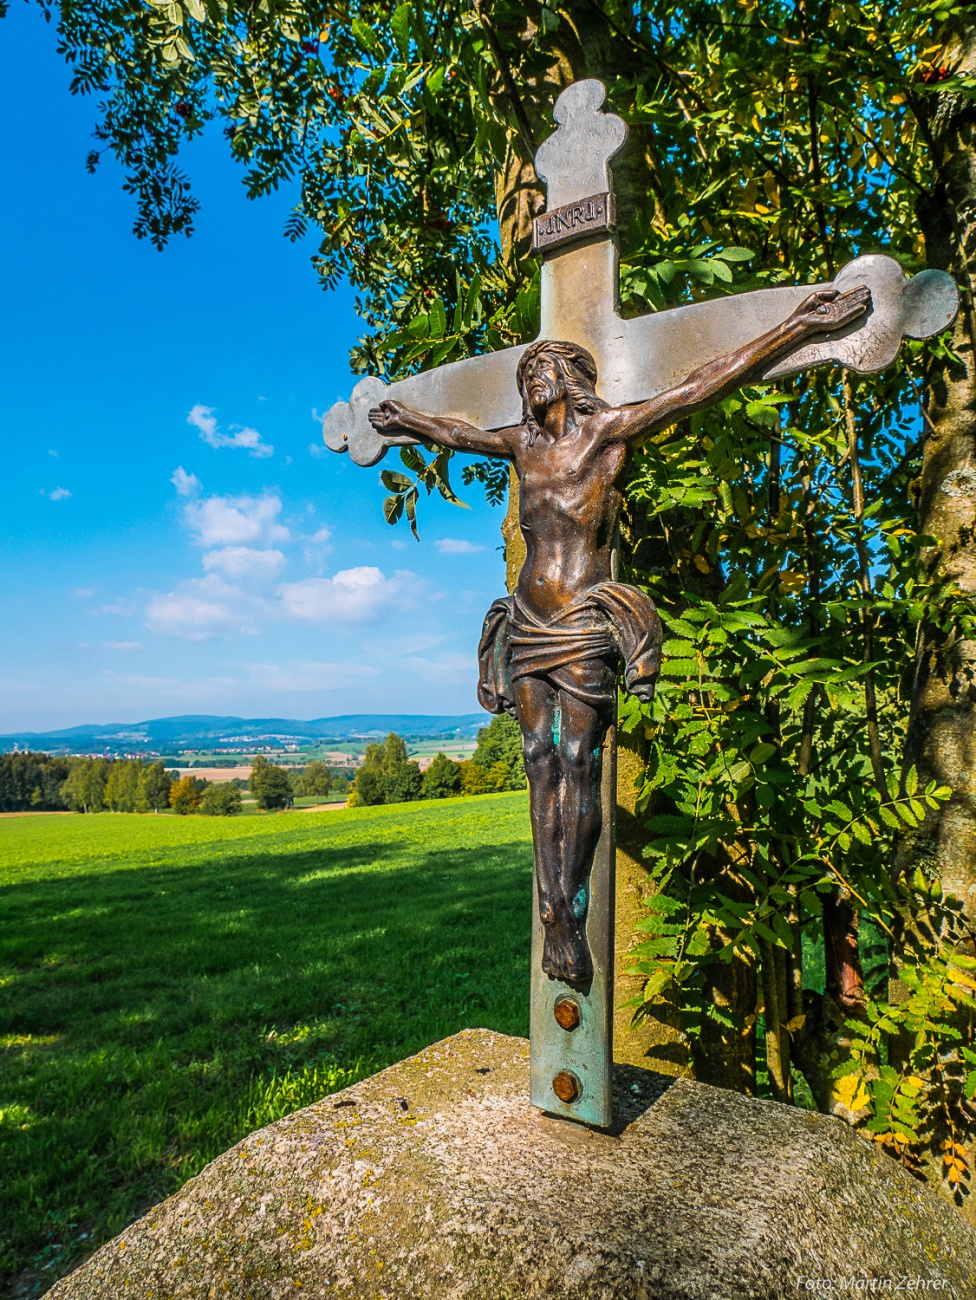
(578, 370)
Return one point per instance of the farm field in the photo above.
(168, 984)
(424, 751)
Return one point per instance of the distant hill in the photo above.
(203, 731)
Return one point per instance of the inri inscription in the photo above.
(573, 221)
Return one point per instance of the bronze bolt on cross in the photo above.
(550, 653)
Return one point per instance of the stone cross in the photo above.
(571, 1025)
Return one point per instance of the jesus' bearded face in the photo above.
(544, 383)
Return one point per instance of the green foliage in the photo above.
(405, 491)
(387, 775)
(394, 752)
(84, 790)
(270, 784)
(912, 1105)
(220, 799)
(259, 766)
(402, 783)
(154, 787)
(31, 781)
(442, 778)
(122, 785)
(316, 779)
(367, 788)
(764, 791)
(167, 984)
(474, 779)
(499, 754)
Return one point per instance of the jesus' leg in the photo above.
(582, 735)
(537, 704)
(586, 700)
(562, 737)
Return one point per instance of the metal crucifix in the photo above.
(550, 652)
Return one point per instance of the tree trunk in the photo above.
(725, 1050)
(941, 741)
(942, 728)
(824, 1039)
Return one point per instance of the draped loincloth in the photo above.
(608, 624)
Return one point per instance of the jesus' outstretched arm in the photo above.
(821, 313)
(392, 418)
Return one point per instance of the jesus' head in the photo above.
(548, 371)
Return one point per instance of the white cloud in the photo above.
(187, 485)
(202, 418)
(456, 546)
(123, 646)
(235, 521)
(318, 449)
(351, 595)
(55, 454)
(398, 545)
(244, 562)
(201, 607)
(321, 536)
(83, 593)
(121, 607)
(59, 494)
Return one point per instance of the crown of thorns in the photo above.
(581, 360)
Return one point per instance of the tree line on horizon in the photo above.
(49, 783)
(46, 783)
(388, 776)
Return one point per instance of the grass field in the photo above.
(168, 984)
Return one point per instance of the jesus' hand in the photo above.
(397, 423)
(828, 309)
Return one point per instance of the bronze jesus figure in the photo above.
(550, 653)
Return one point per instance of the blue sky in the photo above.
(174, 538)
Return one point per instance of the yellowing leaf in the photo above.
(789, 580)
(851, 1092)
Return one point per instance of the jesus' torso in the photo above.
(569, 502)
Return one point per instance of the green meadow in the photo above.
(168, 984)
